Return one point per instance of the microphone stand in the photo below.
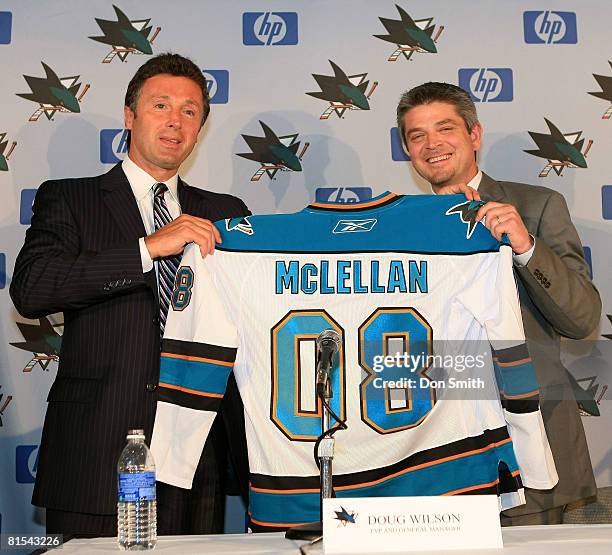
(326, 450)
(313, 531)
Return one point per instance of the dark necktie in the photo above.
(167, 266)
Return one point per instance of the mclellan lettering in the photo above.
(350, 276)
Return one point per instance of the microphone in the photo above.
(328, 344)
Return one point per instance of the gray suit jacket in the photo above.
(557, 299)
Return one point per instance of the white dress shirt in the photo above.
(142, 186)
(517, 259)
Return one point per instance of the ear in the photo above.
(128, 117)
(476, 136)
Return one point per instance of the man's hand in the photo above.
(172, 238)
(504, 218)
(470, 194)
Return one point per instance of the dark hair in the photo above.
(172, 64)
(437, 92)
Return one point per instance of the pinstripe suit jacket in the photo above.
(557, 299)
(81, 257)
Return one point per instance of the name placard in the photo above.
(388, 524)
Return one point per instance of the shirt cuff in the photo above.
(145, 257)
(521, 260)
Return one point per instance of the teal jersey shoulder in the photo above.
(434, 224)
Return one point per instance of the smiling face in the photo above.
(440, 147)
(164, 128)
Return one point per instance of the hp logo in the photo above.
(550, 27)
(269, 28)
(26, 464)
(487, 84)
(113, 145)
(217, 81)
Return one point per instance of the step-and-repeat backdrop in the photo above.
(278, 69)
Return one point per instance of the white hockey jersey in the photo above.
(433, 376)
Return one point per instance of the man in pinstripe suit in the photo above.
(92, 253)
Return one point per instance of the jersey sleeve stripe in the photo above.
(198, 359)
(509, 364)
(515, 374)
(186, 399)
(195, 377)
(511, 354)
(532, 395)
(521, 406)
(189, 349)
(190, 391)
(517, 382)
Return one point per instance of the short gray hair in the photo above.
(437, 92)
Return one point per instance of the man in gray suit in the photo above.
(440, 128)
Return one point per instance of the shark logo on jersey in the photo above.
(355, 226)
(345, 517)
(467, 211)
(239, 224)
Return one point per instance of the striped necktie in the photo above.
(167, 266)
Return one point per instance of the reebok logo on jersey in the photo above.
(239, 224)
(354, 226)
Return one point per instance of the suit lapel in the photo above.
(190, 203)
(121, 203)
(490, 189)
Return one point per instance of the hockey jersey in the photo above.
(415, 288)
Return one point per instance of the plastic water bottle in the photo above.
(136, 503)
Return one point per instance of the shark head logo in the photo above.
(561, 150)
(54, 94)
(241, 224)
(467, 212)
(274, 152)
(5, 156)
(410, 35)
(4, 403)
(345, 517)
(125, 36)
(343, 92)
(42, 341)
(605, 82)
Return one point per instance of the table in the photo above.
(563, 539)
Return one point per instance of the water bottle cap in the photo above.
(135, 434)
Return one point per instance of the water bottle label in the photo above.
(137, 486)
